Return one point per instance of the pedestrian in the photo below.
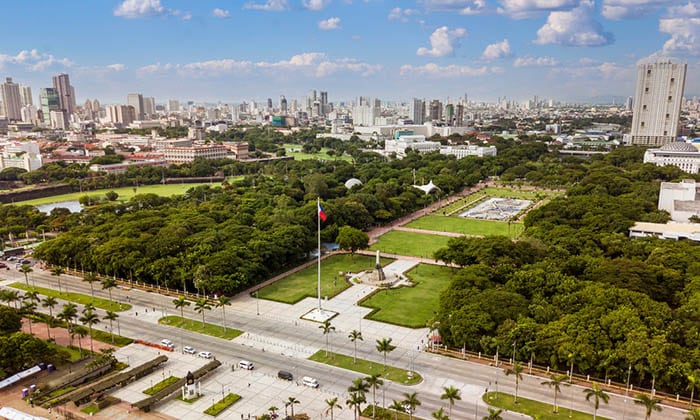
(248, 384)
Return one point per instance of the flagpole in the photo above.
(318, 219)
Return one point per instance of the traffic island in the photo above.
(366, 367)
(222, 404)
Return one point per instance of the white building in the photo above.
(188, 154)
(11, 101)
(464, 151)
(415, 142)
(680, 154)
(23, 155)
(669, 230)
(680, 199)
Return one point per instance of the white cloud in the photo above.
(434, 70)
(329, 24)
(530, 61)
(221, 13)
(116, 67)
(443, 42)
(316, 4)
(183, 15)
(685, 36)
(574, 28)
(464, 7)
(268, 5)
(520, 9)
(591, 69)
(631, 9)
(134, 9)
(400, 14)
(497, 50)
(33, 60)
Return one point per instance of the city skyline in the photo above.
(218, 50)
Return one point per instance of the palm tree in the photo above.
(374, 382)
(555, 381)
(440, 414)
(693, 414)
(26, 269)
(693, 379)
(221, 303)
(291, 401)
(273, 410)
(598, 394)
(28, 307)
(90, 278)
(12, 296)
(68, 314)
(90, 318)
(384, 346)
(32, 296)
(397, 406)
(354, 336)
(359, 385)
(332, 405)
(355, 402)
(517, 371)
(49, 302)
(111, 316)
(494, 414)
(200, 306)
(108, 284)
(180, 304)
(411, 401)
(81, 332)
(58, 271)
(327, 328)
(649, 403)
(451, 394)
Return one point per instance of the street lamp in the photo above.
(627, 391)
(257, 302)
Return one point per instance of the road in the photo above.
(283, 343)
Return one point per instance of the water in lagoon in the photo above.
(73, 206)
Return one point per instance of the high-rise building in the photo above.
(269, 104)
(48, 101)
(12, 104)
(283, 105)
(25, 95)
(459, 115)
(324, 103)
(173, 105)
(136, 100)
(121, 114)
(66, 93)
(657, 103)
(435, 110)
(418, 111)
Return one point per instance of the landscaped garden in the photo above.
(302, 284)
(161, 385)
(196, 326)
(540, 410)
(80, 298)
(366, 367)
(295, 150)
(465, 226)
(409, 243)
(222, 404)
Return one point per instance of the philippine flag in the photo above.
(321, 213)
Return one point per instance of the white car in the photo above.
(167, 343)
(189, 349)
(205, 355)
(309, 381)
(244, 364)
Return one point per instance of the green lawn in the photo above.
(409, 243)
(196, 326)
(295, 151)
(387, 413)
(517, 193)
(411, 307)
(222, 404)
(76, 298)
(541, 410)
(466, 226)
(301, 284)
(161, 385)
(366, 367)
(125, 193)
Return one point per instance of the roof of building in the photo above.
(679, 146)
(352, 182)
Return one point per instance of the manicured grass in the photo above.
(73, 351)
(518, 193)
(411, 307)
(222, 404)
(409, 243)
(366, 367)
(190, 400)
(161, 385)
(196, 326)
(76, 298)
(466, 226)
(469, 201)
(91, 409)
(387, 413)
(106, 337)
(125, 193)
(530, 407)
(294, 150)
(301, 284)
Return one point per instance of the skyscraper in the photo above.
(173, 105)
(48, 100)
(136, 100)
(283, 105)
(12, 104)
(657, 103)
(149, 107)
(418, 111)
(324, 103)
(25, 95)
(66, 93)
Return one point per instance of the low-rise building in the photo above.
(469, 150)
(120, 168)
(680, 154)
(188, 154)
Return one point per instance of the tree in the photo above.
(26, 269)
(451, 394)
(111, 317)
(11, 296)
(352, 239)
(384, 346)
(359, 385)
(693, 414)
(517, 371)
(439, 414)
(290, 402)
(81, 332)
(332, 404)
(411, 401)
(58, 271)
(650, 404)
(28, 307)
(67, 315)
(397, 406)
(273, 411)
(49, 302)
(374, 381)
(90, 318)
(10, 320)
(555, 381)
(354, 336)
(90, 278)
(494, 414)
(221, 303)
(598, 395)
(693, 378)
(180, 304)
(327, 328)
(108, 284)
(355, 402)
(200, 306)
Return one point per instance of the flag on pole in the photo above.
(321, 213)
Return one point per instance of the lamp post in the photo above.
(514, 343)
(627, 391)
(257, 302)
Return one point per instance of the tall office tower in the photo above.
(324, 103)
(12, 104)
(283, 104)
(294, 106)
(418, 111)
(628, 103)
(29, 114)
(58, 119)
(25, 95)
(66, 93)
(121, 114)
(48, 101)
(450, 114)
(136, 100)
(459, 115)
(173, 105)
(149, 107)
(269, 104)
(657, 103)
(87, 109)
(435, 110)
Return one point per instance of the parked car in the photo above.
(189, 349)
(205, 355)
(309, 381)
(244, 364)
(5, 266)
(167, 343)
(283, 374)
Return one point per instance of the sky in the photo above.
(236, 50)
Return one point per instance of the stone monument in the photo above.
(377, 275)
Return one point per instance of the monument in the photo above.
(190, 390)
(377, 275)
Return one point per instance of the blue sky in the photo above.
(230, 50)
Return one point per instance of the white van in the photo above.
(244, 364)
(308, 381)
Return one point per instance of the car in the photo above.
(25, 261)
(244, 364)
(189, 349)
(205, 355)
(167, 343)
(283, 374)
(3, 265)
(309, 381)
(12, 258)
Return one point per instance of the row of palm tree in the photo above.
(383, 345)
(202, 305)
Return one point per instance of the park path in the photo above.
(431, 232)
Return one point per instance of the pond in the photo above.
(73, 206)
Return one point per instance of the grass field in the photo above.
(541, 410)
(125, 193)
(299, 285)
(387, 413)
(466, 226)
(295, 151)
(411, 306)
(409, 243)
(222, 404)
(161, 385)
(76, 298)
(196, 326)
(518, 193)
(366, 367)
